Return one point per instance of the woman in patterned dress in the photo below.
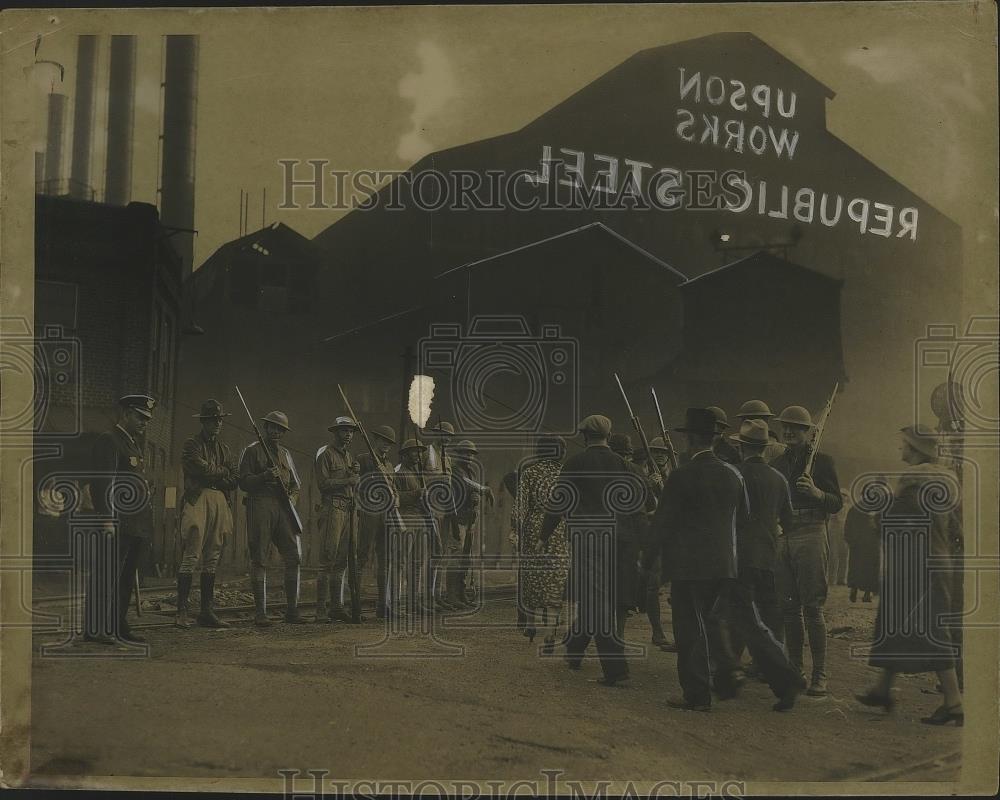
(543, 567)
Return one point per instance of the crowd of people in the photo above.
(736, 522)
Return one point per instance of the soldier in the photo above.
(413, 564)
(653, 471)
(210, 474)
(722, 449)
(268, 517)
(754, 607)
(587, 476)
(337, 475)
(373, 533)
(122, 498)
(758, 409)
(467, 486)
(804, 549)
(694, 525)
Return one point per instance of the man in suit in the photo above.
(695, 524)
(210, 475)
(588, 478)
(268, 517)
(805, 546)
(754, 611)
(122, 499)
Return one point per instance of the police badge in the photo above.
(133, 461)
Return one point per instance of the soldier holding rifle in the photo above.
(804, 548)
(373, 531)
(268, 476)
(337, 475)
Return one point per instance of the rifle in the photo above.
(286, 493)
(663, 431)
(635, 420)
(397, 520)
(820, 427)
(138, 595)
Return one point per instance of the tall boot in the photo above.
(207, 618)
(183, 592)
(258, 579)
(292, 615)
(816, 628)
(322, 596)
(793, 637)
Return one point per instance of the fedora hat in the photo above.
(343, 422)
(754, 408)
(921, 438)
(279, 418)
(211, 409)
(699, 420)
(796, 415)
(752, 431)
(412, 444)
(384, 432)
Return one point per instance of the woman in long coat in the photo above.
(543, 567)
(921, 539)
(861, 532)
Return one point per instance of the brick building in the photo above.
(108, 297)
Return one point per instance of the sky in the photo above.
(378, 88)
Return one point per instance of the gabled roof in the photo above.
(276, 238)
(757, 258)
(577, 235)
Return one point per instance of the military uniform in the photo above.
(373, 533)
(804, 552)
(412, 566)
(210, 475)
(122, 499)
(336, 472)
(269, 520)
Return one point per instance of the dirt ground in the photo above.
(251, 702)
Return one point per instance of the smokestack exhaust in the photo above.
(121, 121)
(54, 143)
(180, 125)
(83, 117)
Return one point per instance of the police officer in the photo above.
(122, 499)
(337, 475)
(210, 474)
(758, 410)
(804, 549)
(373, 533)
(268, 517)
(587, 476)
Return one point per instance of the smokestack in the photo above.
(83, 117)
(39, 172)
(54, 143)
(180, 107)
(121, 118)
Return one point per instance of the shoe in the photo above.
(133, 638)
(944, 714)
(262, 621)
(854, 595)
(182, 619)
(208, 619)
(99, 638)
(787, 700)
(875, 700)
(729, 687)
(867, 598)
(818, 688)
(685, 705)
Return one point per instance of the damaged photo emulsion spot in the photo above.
(555, 407)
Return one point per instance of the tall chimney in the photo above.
(180, 107)
(54, 143)
(83, 117)
(121, 118)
